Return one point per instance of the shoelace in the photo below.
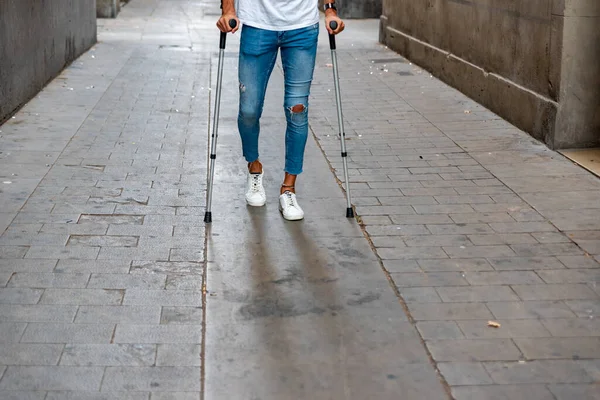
(289, 199)
(255, 183)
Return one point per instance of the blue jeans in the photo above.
(258, 53)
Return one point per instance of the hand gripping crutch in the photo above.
(338, 99)
(215, 135)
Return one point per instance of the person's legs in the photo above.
(258, 53)
(298, 55)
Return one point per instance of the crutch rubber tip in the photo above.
(349, 212)
(208, 217)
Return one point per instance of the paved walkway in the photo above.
(462, 219)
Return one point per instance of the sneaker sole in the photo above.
(290, 218)
(258, 204)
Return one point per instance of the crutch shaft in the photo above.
(340, 115)
(215, 131)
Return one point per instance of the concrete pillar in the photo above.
(578, 117)
(107, 8)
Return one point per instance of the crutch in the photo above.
(215, 135)
(338, 99)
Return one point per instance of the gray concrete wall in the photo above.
(507, 55)
(37, 40)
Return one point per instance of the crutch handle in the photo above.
(232, 24)
(333, 25)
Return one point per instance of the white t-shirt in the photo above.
(278, 15)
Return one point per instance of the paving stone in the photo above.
(181, 315)
(61, 252)
(133, 253)
(530, 309)
(52, 378)
(418, 219)
(93, 266)
(397, 230)
(175, 396)
(435, 330)
(156, 379)
(573, 327)
(20, 295)
(179, 355)
(68, 333)
(384, 210)
(551, 249)
(459, 294)
(109, 355)
(420, 295)
(438, 240)
(11, 252)
(196, 255)
(103, 241)
(402, 201)
(184, 282)
(97, 396)
(550, 237)
(570, 275)
(564, 348)
(163, 297)
(411, 253)
(467, 264)
(479, 251)
(127, 281)
(140, 230)
(502, 278)
(544, 371)
(465, 373)
(458, 229)
(172, 333)
(574, 391)
(111, 219)
(509, 328)
(584, 308)
(473, 350)
(500, 238)
(525, 263)
(409, 279)
(22, 395)
(555, 292)
(118, 314)
(368, 220)
(82, 296)
(448, 311)
(502, 392)
(522, 227)
(442, 209)
(401, 266)
(75, 229)
(46, 280)
(464, 199)
(30, 354)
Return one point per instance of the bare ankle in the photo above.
(255, 167)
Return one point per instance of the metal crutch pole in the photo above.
(338, 99)
(215, 135)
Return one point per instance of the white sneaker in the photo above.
(255, 192)
(289, 207)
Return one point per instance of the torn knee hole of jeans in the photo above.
(298, 108)
(242, 87)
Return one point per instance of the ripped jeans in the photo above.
(258, 53)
